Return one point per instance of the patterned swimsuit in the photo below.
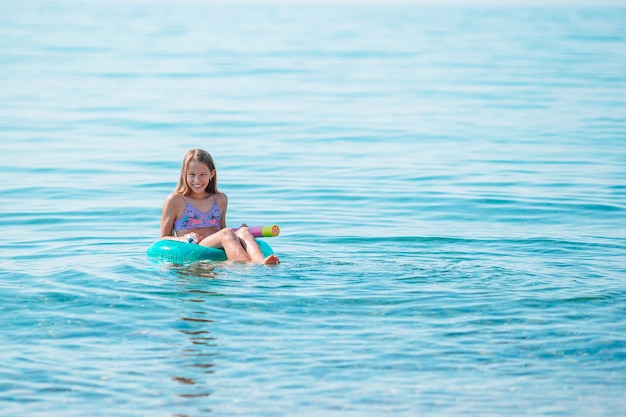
(193, 218)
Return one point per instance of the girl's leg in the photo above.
(252, 247)
(249, 243)
(230, 242)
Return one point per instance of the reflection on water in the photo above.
(196, 270)
(198, 356)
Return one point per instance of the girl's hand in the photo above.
(191, 237)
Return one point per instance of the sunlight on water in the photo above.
(449, 182)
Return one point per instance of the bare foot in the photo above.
(271, 260)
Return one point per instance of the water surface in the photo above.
(449, 182)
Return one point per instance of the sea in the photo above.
(449, 182)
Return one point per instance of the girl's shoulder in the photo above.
(176, 199)
(221, 198)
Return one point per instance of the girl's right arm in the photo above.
(174, 204)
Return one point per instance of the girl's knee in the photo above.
(243, 232)
(228, 234)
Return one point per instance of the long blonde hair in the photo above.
(203, 157)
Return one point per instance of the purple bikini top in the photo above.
(194, 218)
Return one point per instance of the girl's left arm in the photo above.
(223, 202)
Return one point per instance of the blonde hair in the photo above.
(203, 157)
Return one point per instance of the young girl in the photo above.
(196, 212)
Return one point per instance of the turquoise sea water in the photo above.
(450, 185)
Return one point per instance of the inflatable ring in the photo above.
(174, 251)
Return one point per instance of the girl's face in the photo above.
(198, 177)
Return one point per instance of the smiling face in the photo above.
(197, 174)
(198, 177)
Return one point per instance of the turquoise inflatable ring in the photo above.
(174, 251)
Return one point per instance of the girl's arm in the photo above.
(222, 200)
(173, 205)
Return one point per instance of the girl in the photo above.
(196, 212)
